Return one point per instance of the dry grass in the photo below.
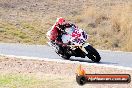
(122, 23)
(108, 30)
(108, 22)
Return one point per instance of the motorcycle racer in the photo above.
(58, 29)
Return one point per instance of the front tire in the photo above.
(92, 54)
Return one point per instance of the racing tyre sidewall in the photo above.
(92, 54)
(67, 57)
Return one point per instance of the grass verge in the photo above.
(32, 81)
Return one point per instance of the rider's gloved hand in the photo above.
(58, 42)
(64, 45)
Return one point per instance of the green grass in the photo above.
(32, 81)
(23, 33)
(17, 80)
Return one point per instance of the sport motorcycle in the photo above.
(75, 41)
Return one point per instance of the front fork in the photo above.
(83, 47)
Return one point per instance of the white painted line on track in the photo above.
(114, 51)
(67, 61)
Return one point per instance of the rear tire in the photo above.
(67, 57)
(92, 54)
(59, 51)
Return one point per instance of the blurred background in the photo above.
(108, 22)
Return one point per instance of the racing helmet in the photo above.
(60, 20)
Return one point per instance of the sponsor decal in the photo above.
(83, 78)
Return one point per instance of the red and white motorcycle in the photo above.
(75, 40)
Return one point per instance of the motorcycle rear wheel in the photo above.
(62, 54)
(67, 57)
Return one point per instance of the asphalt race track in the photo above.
(116, 58)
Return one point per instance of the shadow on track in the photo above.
(89, 61)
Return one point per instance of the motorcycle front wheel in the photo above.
(92, 54)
